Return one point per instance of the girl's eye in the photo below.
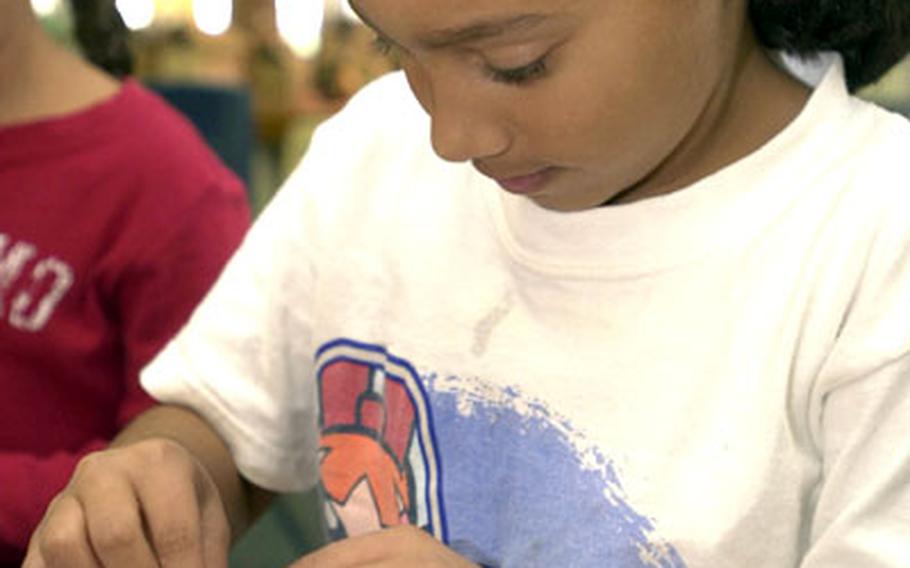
(519, 75)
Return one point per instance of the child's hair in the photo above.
(871, 35)
(102, 35)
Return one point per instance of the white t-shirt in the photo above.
(715, 377)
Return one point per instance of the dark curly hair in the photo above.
(871, 35)
(102, 35)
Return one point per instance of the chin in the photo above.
(563, 203)
(554, 204)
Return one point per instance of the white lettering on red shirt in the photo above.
(40, 289)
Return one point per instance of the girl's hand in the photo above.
(149, 504)
(399, 547)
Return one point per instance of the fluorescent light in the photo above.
(45, 8)
(300, 24)
(136, 14)
(213, 17)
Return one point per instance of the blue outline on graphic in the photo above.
(384, 353)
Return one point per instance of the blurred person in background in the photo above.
(115, 219)
(347, 61)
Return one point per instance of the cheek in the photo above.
(583, 120)
(623, 111)
(419, 83)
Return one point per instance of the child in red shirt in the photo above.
(115, 219)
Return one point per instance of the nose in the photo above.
(464, 126)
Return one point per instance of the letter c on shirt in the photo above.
(30, 312)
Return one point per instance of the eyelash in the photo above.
(518, 76)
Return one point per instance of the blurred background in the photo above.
(256, 77)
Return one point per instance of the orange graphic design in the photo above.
(374, 444)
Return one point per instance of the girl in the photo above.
(589, 284)
(114, 221)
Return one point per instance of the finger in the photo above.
(62, 540)
(364, 550)
(216, 530)
(113, 518)
(398, 547)
(33, 557)
(172, 512)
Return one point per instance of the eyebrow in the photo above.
(481, 30)
(470, 33)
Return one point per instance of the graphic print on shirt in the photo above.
(511, 482)
(31, 285)
(378, 461)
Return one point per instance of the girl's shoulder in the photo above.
(383, 110)
(863, 142)
(382, 133)
(878, 145)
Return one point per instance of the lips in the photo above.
(521, 184)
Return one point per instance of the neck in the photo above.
(38, 78)
(20, 34)
(753, 103)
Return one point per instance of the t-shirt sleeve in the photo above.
(862, 512)
(244, 360)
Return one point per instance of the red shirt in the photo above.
(114, 222)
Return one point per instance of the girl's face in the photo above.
(569, 102)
